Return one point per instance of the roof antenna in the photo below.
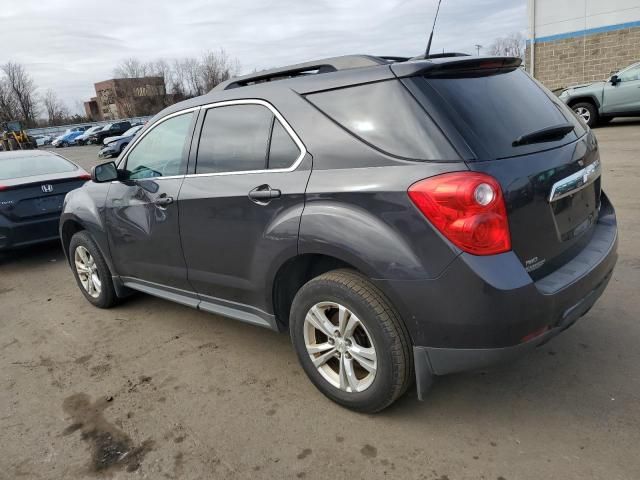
(426, 53)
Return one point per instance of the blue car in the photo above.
(68, 137)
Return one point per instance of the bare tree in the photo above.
(9, 109)
(56, 111)
(216, 68)
(131, 68)
(21, 87)
(183, 78)
(512, 45)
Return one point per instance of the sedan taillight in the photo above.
(467, 208)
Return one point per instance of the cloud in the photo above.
(68, 46)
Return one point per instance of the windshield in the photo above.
(20, 167)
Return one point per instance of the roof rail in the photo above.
(308, 68)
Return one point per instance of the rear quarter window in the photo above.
(387, 117)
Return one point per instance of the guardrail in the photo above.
(60, 129)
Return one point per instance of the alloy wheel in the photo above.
(87, 271)
(584, 113)
(340, 347)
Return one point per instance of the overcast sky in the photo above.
(69, 45)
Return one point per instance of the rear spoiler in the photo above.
(456, 66)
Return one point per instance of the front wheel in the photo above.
(350, 341)
(587, 111)
(91, 271)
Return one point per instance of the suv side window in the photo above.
(283, 151)
(234, 138)
(630, 75)
(160, 152)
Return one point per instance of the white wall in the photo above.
(554, 17)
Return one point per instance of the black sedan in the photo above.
(33, 184)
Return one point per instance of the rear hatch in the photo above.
(544, 158)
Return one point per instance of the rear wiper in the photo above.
(547, 134)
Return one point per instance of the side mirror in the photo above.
(105, 172)
(614, 80)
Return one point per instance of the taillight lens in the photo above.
(466, 207)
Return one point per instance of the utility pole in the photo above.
(478, 47)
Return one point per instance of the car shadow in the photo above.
(620, 122)
(33, 255)
(566, 375)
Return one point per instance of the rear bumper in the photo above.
(450, 360)
(25, 233)
(484, 310)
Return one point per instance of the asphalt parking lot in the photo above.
(193, 395)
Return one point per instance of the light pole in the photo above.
(478, 47)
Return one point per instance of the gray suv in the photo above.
(599, 102)
(400, 218)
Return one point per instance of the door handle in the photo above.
(163, 201)
(264, 194)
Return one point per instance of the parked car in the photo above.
(42, 140)
(84, 138)
(600, 102)
(109, 130)
(397, 218)
(33, 184)
(67, 139)
(114, 146)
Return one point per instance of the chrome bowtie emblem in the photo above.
(47, 188)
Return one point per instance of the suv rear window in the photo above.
(386, 116)
(493, 109)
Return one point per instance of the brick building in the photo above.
(578, 41)
(127, 97)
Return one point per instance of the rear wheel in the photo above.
(587, 111)
(351, 341)
(91, 271)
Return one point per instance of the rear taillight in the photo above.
(467, 208)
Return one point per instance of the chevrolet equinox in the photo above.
(400, 218)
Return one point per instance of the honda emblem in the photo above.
(47, 188)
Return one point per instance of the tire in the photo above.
(64, 144)
(587, 111)
(82, 242)
(379, 327)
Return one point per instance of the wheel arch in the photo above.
(585, 98)
(68, 229)
(293, 274)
